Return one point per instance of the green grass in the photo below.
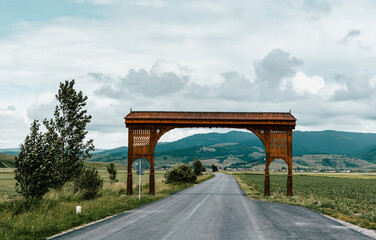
(56, 211)
(349, 197)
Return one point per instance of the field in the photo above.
(349, 197)
(56, 211)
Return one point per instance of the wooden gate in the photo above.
(273, 129)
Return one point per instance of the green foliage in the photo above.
(66, 133)
(198, 168)
(34, 172)
(181, 173)
(214, 168)
(112, 171)
(49, 160)
(88, 182)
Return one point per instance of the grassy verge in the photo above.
(349, 197)
(56, 211)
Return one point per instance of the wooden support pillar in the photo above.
(152, 177)
(267, 162)
(289, 178)
(129, 178)
(289, 153)
(130, 161)
(289, 185)
(267, 178)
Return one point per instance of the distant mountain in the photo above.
(205, 139)
(332, 142)
(235, 148)
(10, 151)
(245, 149)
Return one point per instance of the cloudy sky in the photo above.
(317, 58)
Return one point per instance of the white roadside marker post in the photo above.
(78, 209)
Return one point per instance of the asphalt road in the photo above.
(216, 209)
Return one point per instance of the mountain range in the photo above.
(311, 150)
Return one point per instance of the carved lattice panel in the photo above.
(141, 141)
(279, 143)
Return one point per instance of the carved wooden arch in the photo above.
(273, 129)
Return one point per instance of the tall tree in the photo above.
(69, 128)
(34, 172)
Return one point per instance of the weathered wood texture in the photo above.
(273, 129)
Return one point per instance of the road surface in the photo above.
(216, 209)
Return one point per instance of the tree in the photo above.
(88, 182)
(68, 130)
(34, 172)
(112, 171)
(181, 173)
(198, 167)
(214, 168)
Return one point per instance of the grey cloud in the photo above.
(100, 77)
(273, 69)
(271, 72)
(11, 108)
(41, 111)
(195, 90)
(350, 35)
(8, 108)
(13, 129)
(356, 88)
(149, 84)
(236, 87)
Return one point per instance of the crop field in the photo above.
(349, 197)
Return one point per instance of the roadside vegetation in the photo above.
(55, 212)
(348, 197)
(181, 173)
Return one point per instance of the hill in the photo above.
(6, 161)
(311, 150)
(332, 142)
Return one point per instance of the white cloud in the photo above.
(302, 83)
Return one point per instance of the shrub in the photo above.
(112, 171)
(214, 168)
(88, 183)
(181, 173)
(198, 167)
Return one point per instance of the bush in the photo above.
(112, 171)
(88, 183)
(198, 168)
(214, 168)
(181, 173)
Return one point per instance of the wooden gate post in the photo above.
(151, 177)
(267, 178)
(130, 161)
(289, 153)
